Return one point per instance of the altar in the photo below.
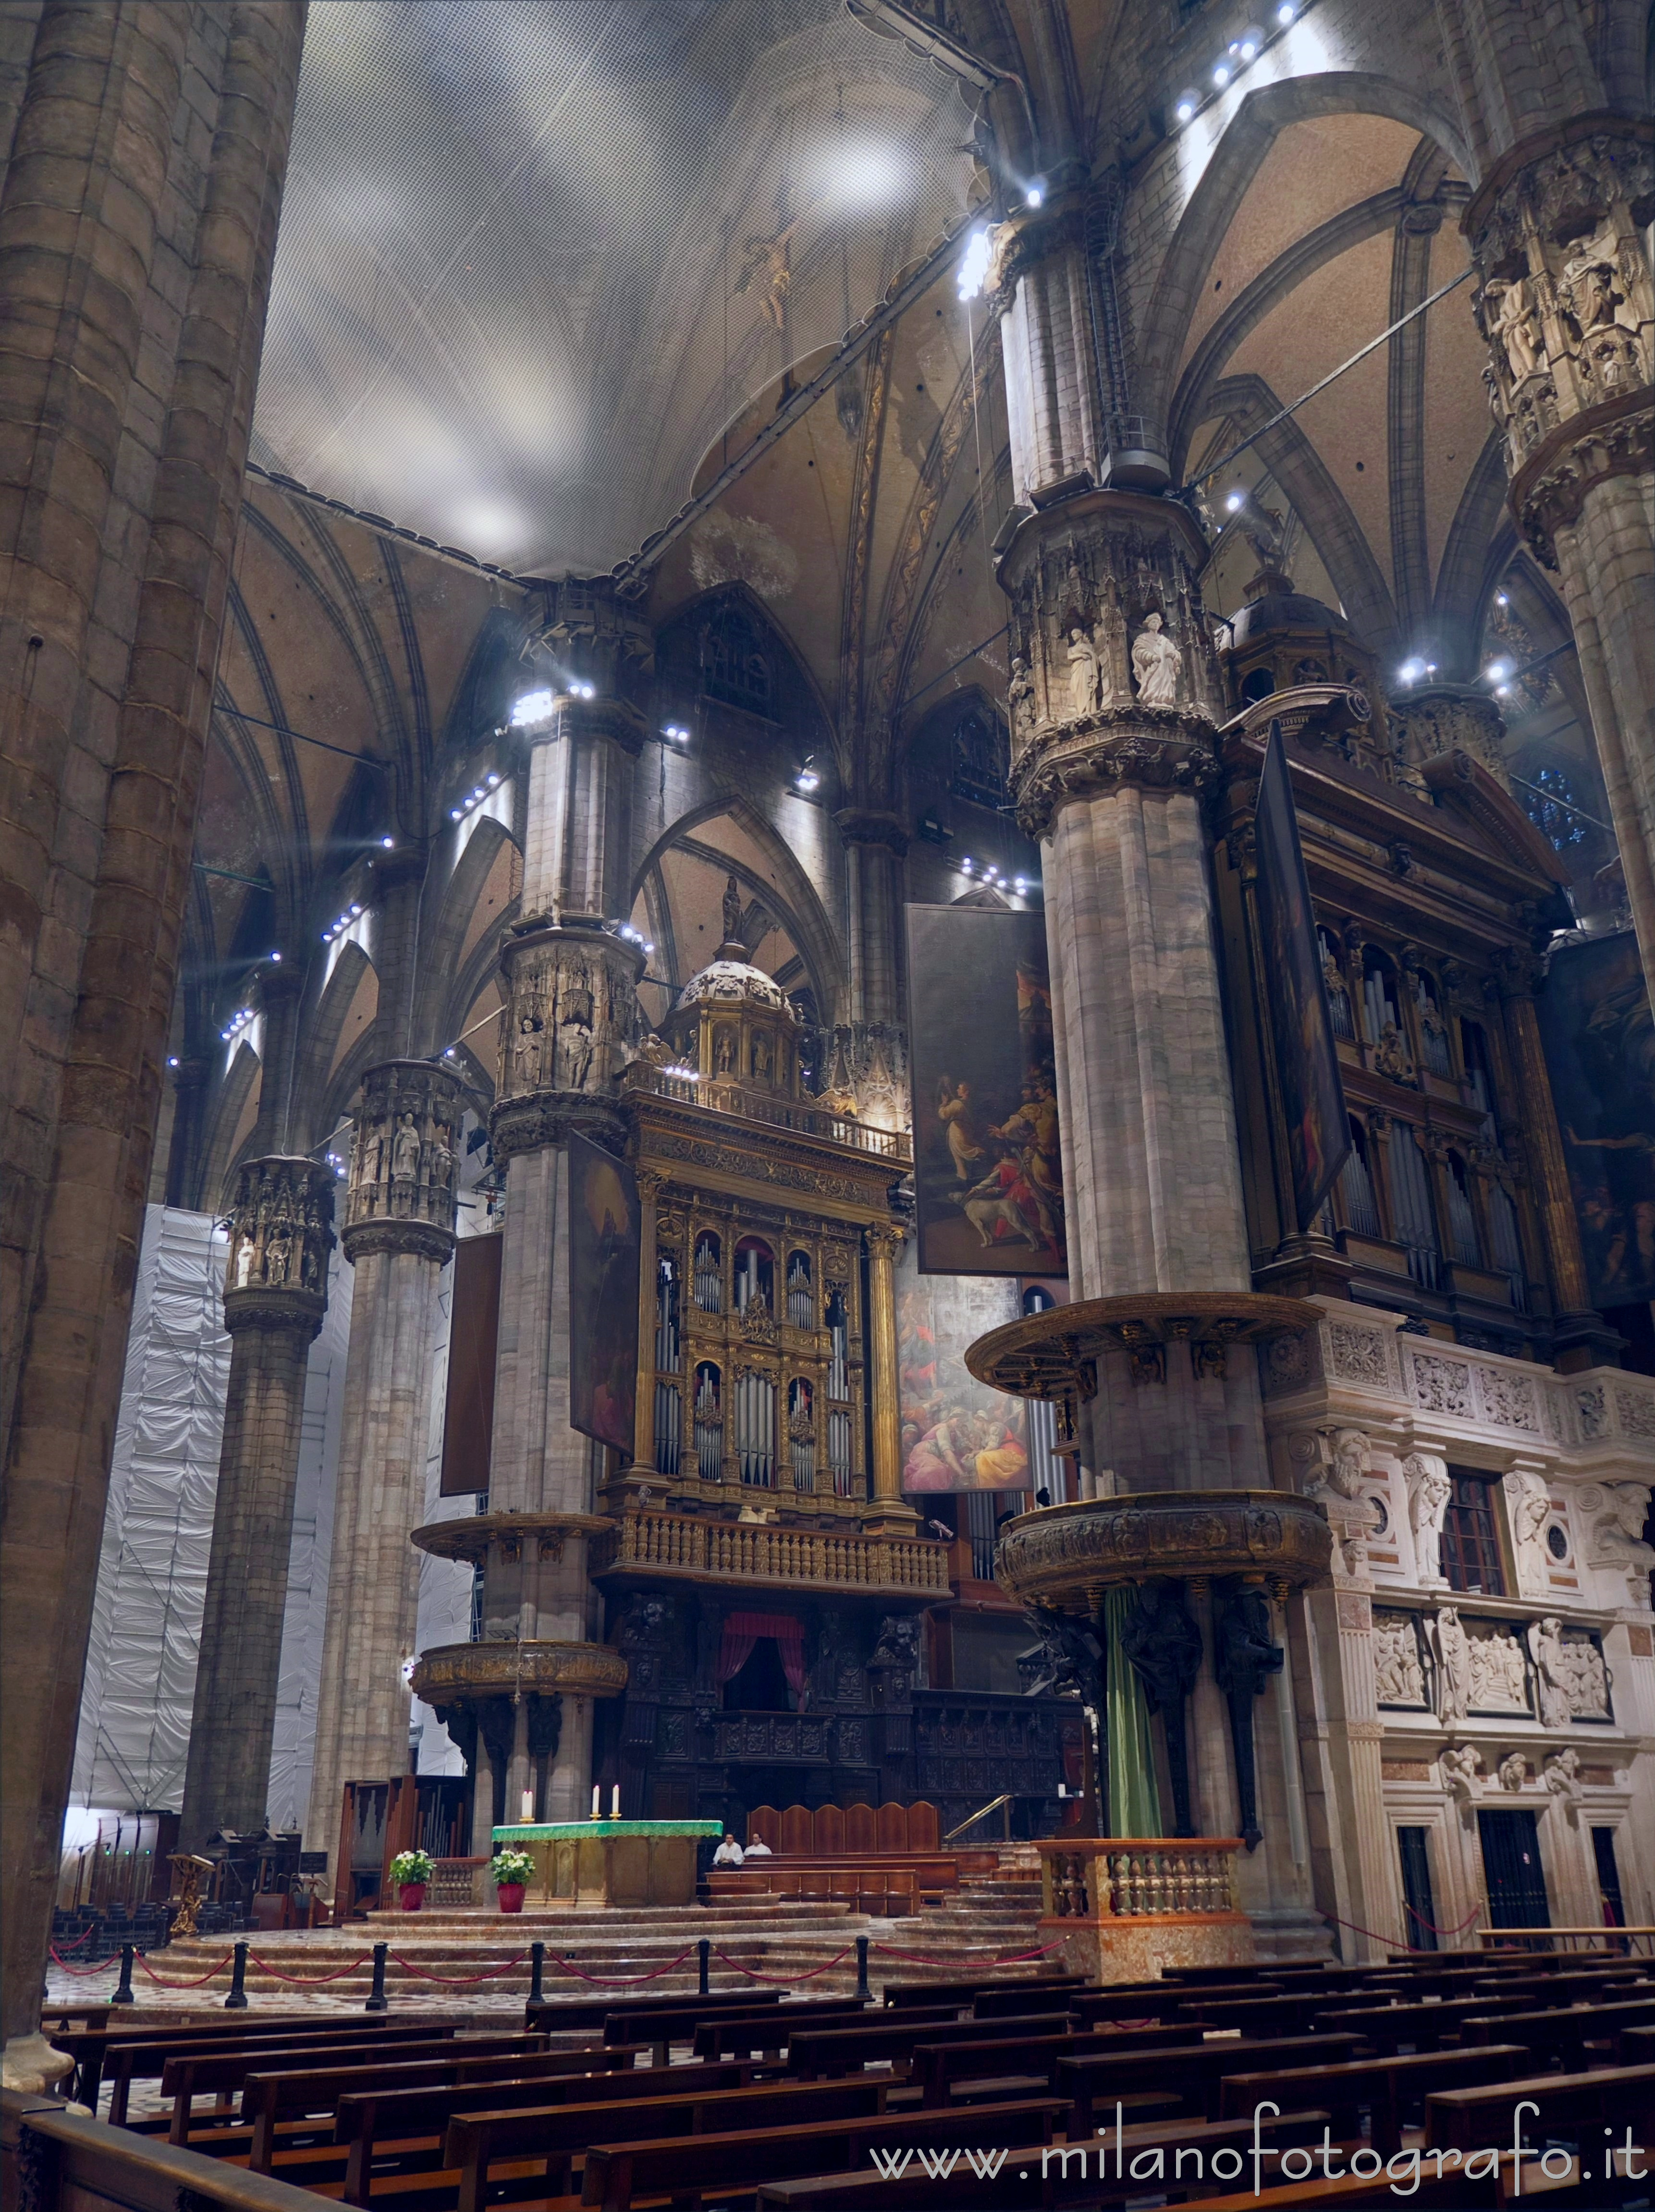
(593, 1863)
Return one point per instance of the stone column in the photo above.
(867, 1056)
(1581, 1338)
(142, 274)
(275, 1297)
(650, 1184)
(398, 1233)
(891, 1514)
(1566, 306)
(399, 890)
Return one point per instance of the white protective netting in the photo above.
(535, 255)
(134, 1732)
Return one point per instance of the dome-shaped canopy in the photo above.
(1284, 610)
(733, 983)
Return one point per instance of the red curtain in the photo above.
(743, 1630)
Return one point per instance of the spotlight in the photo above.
(1502, 690)
(173, 1062)
(1430, 667)
(965, 864)
(1221, 76)
(1411, 671)
(492, 780)
(1500, 599)
(806, 779)
(1249, 46)
(533, 707)
(1497, 670)
(1020, 883)
(1188, 103)
(1285, 13)
(677, 732)
(583, 690)
(1036, 196)
(354, 908)
(449, 1054)
(274, 955)
(453, 814)
(389, 843)
(974, 266)
(1236, 501)
(478, 794)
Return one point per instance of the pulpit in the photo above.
(595, 1863)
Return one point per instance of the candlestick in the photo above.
(528, 1805)
(597, 1800)
(615, 1802)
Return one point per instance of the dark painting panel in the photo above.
(473, 1344)
(605, 1234)
(1301, 1028)
(987, 1169)
(1600, 1051)
(957, 1433)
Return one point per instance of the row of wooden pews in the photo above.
(1034, 2092)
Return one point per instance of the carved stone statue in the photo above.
(1157, 664)
(1082, 658)
(1513, 1770)
(1452, 1651)
(1428, 1492)
(1546, 1652)
(1067, 1658)
(1244, 1660)
(1529, 1502)
(1561, 1776)
(1512, 326)
(405, 1159)
(1399, 1678)
(1499, 1680)
(1459, 1766)
(732, 911)
(1163, 1644)
(1620, 1537)
(1019, 698)
(1590, 282)
(1391, 1057)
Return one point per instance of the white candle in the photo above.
(615, 1802)
(597, 1800)
(528, 1805)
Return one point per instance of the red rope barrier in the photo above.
(76, 1944)
(309, 1981)
(931, 1958)
(619, 1981)
(210, 1974)
(1475, 1913)
(465, 1981)
(753, 1975)
(1390, 1942)
(103, 1966)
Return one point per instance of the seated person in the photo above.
(729, 1852)
(757, 1848)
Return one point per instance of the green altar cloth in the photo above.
(592, 1864)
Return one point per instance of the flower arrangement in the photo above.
(410, 1867)
(509, 1867)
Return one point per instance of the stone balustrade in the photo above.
(1135, 1878)
(738, 1550)
(742, 1100)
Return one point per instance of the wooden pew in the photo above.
(194, 2075)
(555, 2016)
(1291, 2014)
(1070, 2170)
(773, 2030)
(1382, 2084)
(1387, 2027)
(1580, 2105)
(88, 2047)
(1017, 2068)
(410, 2125)
(126, 2063)
(668, 2021)
(1141, 2002)
(1093, 2080)
(1560, 2035)
(844, 2051)
(478, 2145)
(1634, 2046)
(1020, 1997)
(735, 2163)
(899, 1994)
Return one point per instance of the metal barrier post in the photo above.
(862, 1990)
(537, 1969)
(124, 1987)
(704, 1953)
(237, 1999)
(377, 1999)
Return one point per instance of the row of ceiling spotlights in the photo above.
(468, 806)
(1237, 55)
(988, 872)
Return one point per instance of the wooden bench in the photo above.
(1093, 2080)
(1141, 2001)
(843, 2051)
(1634, 2046)
(1388, 2028)
(554, 2015)
(126, 2063)
(1381, 2084)
(89, 2047)
(1087, 2170)
(942, 2068)
(1612, 2097)
(664, 2024)
(1559, 2036)
(479, 2144)
(898, 1995)
(736, 2164)
(1291, 2014)
(409, 2126)
(189, 2075)
(769, 2030)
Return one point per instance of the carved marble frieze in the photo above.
(404, 1161)
(1457, 1665)
(1565, 304)
(1064, 1556)
(280, 1227)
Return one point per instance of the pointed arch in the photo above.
(686, 621)
(213, 1173)
(319, 1039)
(443, 938)
(1478, 548)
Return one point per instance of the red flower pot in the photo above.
(510, 1895)
(410, 1895)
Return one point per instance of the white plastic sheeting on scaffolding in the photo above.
(152, 1573)
(134, 1733)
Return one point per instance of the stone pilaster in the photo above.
(1566, 304)
(275, 1297)
(398, 1231)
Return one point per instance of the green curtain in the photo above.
(1135, 1797)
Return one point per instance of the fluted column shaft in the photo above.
(275, 1297)
(398, 1233)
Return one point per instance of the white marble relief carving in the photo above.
(1399, 1678)
(1428, 1492)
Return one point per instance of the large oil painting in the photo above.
(1301, 1028)
(1600, 1050)
(987, 1164)
(604, 1232)
(956, 1434)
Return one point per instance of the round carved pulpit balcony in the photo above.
(1065, 1556)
